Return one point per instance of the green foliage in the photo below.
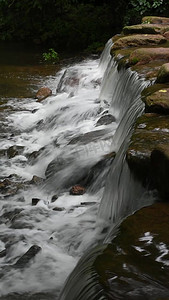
(51, 56)
(95, 47)
(72, 25)
(138, 8)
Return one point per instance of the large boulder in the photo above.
(158, 102)
(138, 40)
(163, 74)
(150, 131)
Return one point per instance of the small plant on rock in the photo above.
(51, 56)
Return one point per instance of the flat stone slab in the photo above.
(146, 28)
(137, 40)
(155, 20)
(146, 55)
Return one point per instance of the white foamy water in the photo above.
(57, 128)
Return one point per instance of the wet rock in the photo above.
(150, 131)
(87, 203)
(163, 74)
(158, 102)
(58, 208)
(54, 198)
(43, 93)
(137, 259)
(35, 155)
(9, 188)
(37, 180)
(14, 150)
(146, 55)
(160, 169)
(10, 215)
(3, 253)
(166, 35)
(77, 190)
(69, 81)
(27, 257)
(146, 29)
(89, 137)
(5, 183)
(105, 120)
(101, 167)
(155, 20)
(35, 201)
(138, 40)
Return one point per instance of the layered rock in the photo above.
(138, 48)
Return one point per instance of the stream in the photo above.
(67, 139)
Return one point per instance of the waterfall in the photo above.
(122, 194)
(63, 143)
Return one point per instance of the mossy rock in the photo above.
(146, 29)
(137, 40)
(146, 55)
(158, 102)
(150, 131)
(148, 71)
(152, 89)
(135, 264)
(155, 20)
(163, 74)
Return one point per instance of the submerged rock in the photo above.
(100, 168)
(58, 208)
(135, 264)
(77, 190)
(27, 257)
(14, 150)
(89, 137)
(36, 180)
(35, 201)
(43, 93)
(105, 120)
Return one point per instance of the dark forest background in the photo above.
(72, 24)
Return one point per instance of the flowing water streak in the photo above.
(105, 56)
(122, 194)
(48, 128)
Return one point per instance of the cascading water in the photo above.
(61, 142)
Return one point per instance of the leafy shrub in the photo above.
(51, 56)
